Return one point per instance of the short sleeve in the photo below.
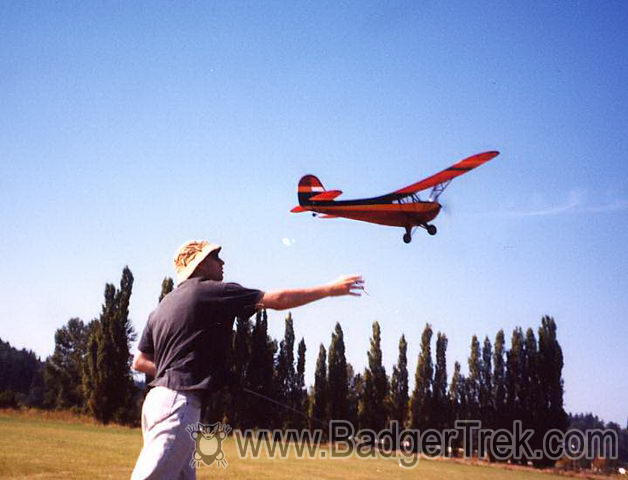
(146, 344)
(241, 301)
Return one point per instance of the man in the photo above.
(184, 346)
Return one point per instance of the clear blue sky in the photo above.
(127, 128)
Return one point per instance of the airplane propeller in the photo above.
(446, 208)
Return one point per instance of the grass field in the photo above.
(61, 446)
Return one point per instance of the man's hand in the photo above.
(346, 285)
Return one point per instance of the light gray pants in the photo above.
(168, 447)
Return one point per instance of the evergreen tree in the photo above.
(35, 396)
(421, 402)
(399, 385)
(440, 406)
(63, 369)
(338, 383)
(320, 397)
(20, 377)
(376, 385)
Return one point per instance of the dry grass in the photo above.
(60, 445)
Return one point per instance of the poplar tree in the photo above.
(320, 398)
(123, 334)
(532, 390)
(440, 405)
(338, 382)
(420, 411)
(259, 375)
(376, 385)
(499, 382)
(107, 382)
(98, 376)
(514, 376)
(551, 361)
(241, 356)
(355, 396)
(473, 380)
(550, 376)
(399, 385)
(486, 385)
(167, 286)
(284, 377)
(299, 393)
(457, 403)
(498, 390)
(454, 394)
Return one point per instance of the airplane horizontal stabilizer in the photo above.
(328, 195)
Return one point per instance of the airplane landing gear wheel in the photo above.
(407, 238)
(431, 229)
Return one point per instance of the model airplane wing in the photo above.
(454, 171)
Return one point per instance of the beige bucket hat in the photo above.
(189, 255)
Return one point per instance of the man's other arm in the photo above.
(143, 362)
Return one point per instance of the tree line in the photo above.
(502, 385)
(90, 372)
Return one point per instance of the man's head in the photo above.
(198, 259)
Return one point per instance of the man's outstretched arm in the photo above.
(143, 362)
(292, 298)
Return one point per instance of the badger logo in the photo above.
(208, 440)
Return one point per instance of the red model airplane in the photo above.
(401, 208)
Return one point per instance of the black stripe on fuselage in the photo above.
(460, 169)
(383, 200)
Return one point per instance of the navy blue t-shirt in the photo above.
(189, 333)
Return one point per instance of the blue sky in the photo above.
(128, 128)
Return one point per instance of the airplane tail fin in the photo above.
(309, 186)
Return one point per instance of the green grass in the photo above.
(62, 446)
